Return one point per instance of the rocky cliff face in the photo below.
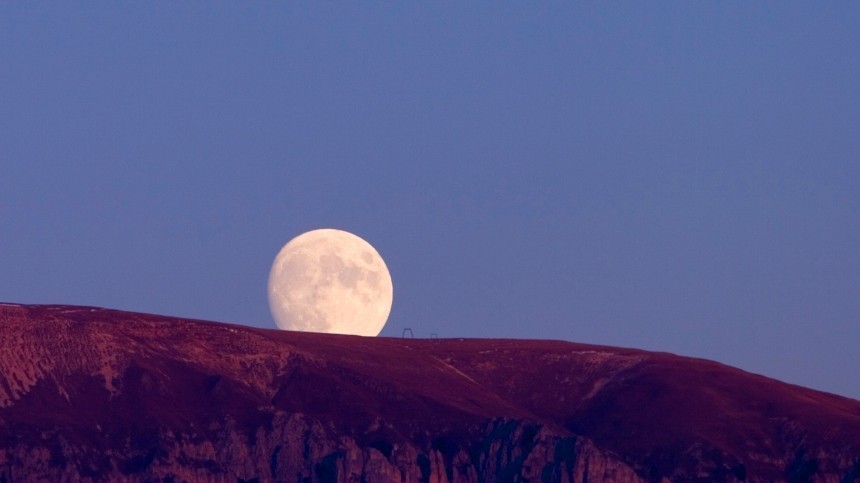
(296, 448)
(93, 395)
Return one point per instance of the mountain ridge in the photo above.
(105, 394)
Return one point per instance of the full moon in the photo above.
(330, 281)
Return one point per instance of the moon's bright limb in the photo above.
(330, 281)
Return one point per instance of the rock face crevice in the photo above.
(89, 394)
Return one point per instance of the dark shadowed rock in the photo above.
(92, 394)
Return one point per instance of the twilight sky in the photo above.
(673, 176)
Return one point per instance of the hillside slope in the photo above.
(97, 394)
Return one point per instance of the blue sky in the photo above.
(673, 176)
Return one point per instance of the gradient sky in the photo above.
(673, 176)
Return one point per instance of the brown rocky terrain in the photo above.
(90, 394)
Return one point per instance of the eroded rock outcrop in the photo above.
(296, 448)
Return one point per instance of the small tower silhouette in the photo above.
(409, 331)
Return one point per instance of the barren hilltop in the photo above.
(92, 394)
